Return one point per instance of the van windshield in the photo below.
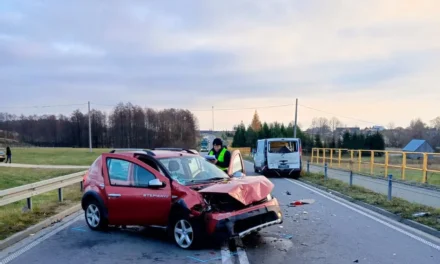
(283, 146)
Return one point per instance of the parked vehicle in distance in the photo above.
(179, 191)
(204, 145)
(281, 156)
(2, 155)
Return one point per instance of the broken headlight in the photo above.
(269, 197)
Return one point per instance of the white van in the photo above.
(279, 155)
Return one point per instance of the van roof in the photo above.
(278, 139)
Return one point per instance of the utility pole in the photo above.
(212, 119)
(296, 118)
(90, 130)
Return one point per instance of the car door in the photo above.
(130, 198)
(236, 164)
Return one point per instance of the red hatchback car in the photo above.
(180, 191)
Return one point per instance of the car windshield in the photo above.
(188, 170)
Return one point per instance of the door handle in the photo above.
(114, 195)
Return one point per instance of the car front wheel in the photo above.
(185, 233)
(94, 216)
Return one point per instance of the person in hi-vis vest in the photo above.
(222, 155)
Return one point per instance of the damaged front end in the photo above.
(240, 207)
(228, 209)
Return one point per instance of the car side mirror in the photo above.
(156, 183)
(238, 174)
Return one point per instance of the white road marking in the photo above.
(242, 256)
(227, 257)
(369, 215)
(39, 240)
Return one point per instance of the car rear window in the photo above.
(283, 146)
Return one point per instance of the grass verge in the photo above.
(14, 218)
(56, 156)
(397, 206)
(13, 177)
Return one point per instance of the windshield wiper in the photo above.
(209, 179)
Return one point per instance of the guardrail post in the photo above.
(60, 195)
(308, 166)
(29, 203)
(339, 158)
(425, 168)
(351, 178)
(387, 161)
(390, 186)
(81, 186)
(331, 158)
(372, 163)
(403, 165)
(325, 171)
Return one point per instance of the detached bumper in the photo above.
(244, 222)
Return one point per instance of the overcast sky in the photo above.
(372, 61)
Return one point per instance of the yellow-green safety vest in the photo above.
(221, 157)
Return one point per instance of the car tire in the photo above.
(186, 233)
(94, 216)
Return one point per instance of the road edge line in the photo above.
(17, 237)
(383, 212)
(346, 204)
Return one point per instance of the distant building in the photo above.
(417, 145)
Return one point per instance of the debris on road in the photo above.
(302, 202)
(288, 193)
(420, 214)
(356, 261)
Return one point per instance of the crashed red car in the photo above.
(180, 191)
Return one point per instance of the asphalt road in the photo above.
(329, 230)
(410, 193)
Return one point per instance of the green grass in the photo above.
(398, 206)
(12, 177)
(55, 156)
(13, 219)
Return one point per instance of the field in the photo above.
(55, 156)
(13, 177)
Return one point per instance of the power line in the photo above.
(222, 109)
(347, 117)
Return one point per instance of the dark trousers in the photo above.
(8, 157)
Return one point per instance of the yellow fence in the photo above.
(414, 166)
(244, 151)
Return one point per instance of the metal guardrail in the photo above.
(412, 165)
(27, 191)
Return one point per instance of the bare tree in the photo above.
(126, 126)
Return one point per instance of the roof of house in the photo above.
(414, 144)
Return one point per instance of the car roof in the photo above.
(158, 154)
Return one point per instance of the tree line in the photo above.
(248, 136)
(396, 137)
(126, 126)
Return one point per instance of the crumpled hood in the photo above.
(246, 190)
